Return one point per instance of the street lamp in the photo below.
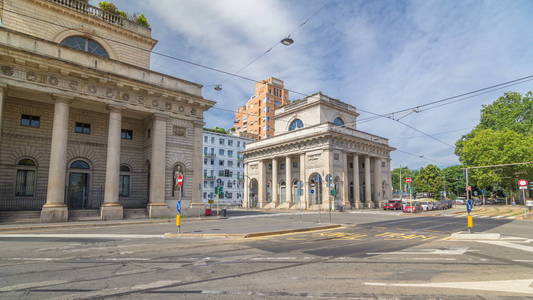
(287, 41)
(217, 87)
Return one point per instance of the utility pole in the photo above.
(401, 184)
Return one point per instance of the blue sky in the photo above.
(380, 56)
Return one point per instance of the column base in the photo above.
(370, 204)
(54, 213)
(111, 211)
(358, 205)
(159, 210)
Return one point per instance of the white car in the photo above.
(426, 205)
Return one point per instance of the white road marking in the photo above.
(497, 217)
(34, 258)
(273, 215)
(30, 285)
(117, 291)
(273, 258)
(483, 217)
(87, 236)
(509, 245)
(419, 258)
(511, 218)
(458, 251)
(511, 286)
(523, 260)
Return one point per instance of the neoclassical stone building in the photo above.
(84, 123)
(316, 137)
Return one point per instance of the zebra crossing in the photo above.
(462, 215)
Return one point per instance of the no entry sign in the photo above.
(408, 179)
(179, 180)
(522, 183)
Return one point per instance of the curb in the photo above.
(107, 223)
(249, 235)
(475, 236)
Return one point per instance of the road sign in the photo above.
(408, 179)
(328, 178)
(312, 191)
(475, 193)
(469, 205)
(469, 188)
(178, 207)
(179, 180)
(333, 192)
(522, 184)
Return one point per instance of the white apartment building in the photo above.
(223, 164)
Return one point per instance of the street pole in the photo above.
(401, 184)
(467, 198)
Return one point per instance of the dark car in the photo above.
(393, 205)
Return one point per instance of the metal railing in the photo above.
(85, 8)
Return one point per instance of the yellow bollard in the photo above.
(470, 222)
(178, 220)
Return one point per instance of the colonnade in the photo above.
(55, 208)
(372, 194)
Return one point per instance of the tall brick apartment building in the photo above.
(255, 119)
(84, 123)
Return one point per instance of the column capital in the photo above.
(159, 116)
(115, 107)
(62, 98)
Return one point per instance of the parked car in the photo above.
(460, 200)
(426, 205)
(412, 207)
(393, 205)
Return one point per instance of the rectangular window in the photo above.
(211, 184)
(212, 161)
(205, 161)
(212, 140)
(212, 151)
(205, 184)
(282, 166)
(230, 163)
(126, 134)
(220, 173)
(294, 164)
(230, 142)
(221, 162)
(221, 141)
(205, 150)
(30, 121)
(25, 183)
(230, 153)
(238, 143)
(221, 151)
(83, 128)
(336, 156)
(230, 184)
(124, 190)
(205, 173)
(205, 139)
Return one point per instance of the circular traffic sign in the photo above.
(522, 182)
(179, 180)
(408, 179)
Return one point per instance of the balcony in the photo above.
(87, 9)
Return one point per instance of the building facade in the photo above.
(316, 140)
(223, 166)
(84, 124)
(256, 117)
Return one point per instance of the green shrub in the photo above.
(142, 20)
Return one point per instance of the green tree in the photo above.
(406, 172)
(454, 180)
(511, 111)
(429, 180)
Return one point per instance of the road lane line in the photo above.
(509, 245)
(510, 286)
(83, 235)
(29, 285)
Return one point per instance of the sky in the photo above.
(380, 56)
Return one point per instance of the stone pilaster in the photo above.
(377, 193)
(327, 163)
(55, 210)
(345, 182)
(3, 92)
(111, 209)
(288, 182)
(261, 189)
(275, 198)
(304, 199)
(246, 187)
(197, 206)
(157, 207)
(356, 186)
(368, 184)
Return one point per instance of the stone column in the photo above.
(111, 209)
(288, 183)
(3, 92)
(275, 198)
(327, 164)
(356, 186)
(345, 182)
(261, 189)
(246, 187)
(197, 206)
(304, 199)
(157, 207)
(55, 210)
(368, 184)
(377, 182)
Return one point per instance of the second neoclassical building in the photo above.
(316, 140)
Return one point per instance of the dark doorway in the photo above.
(78, 190)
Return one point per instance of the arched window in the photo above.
(25, 181)
(124, 188)
(80, 164)
(296, 124)
(338, 121)
(84, 44)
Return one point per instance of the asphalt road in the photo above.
(373, 256)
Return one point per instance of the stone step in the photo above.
(25, 216)
(83, 214)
